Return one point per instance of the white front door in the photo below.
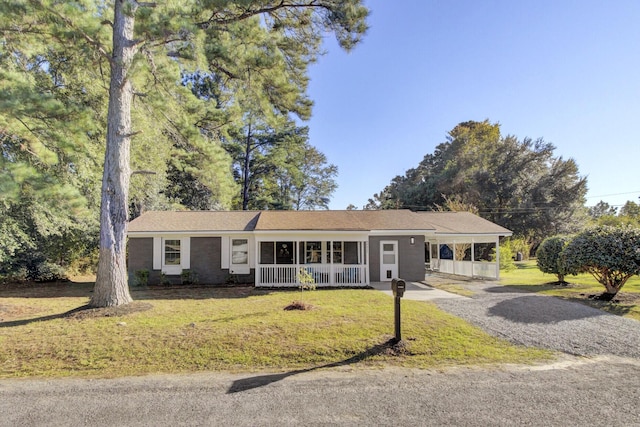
(388, 260)
(239, 257)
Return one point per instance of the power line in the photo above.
(616, 194)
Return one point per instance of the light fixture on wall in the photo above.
(413, 240)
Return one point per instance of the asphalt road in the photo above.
(575, 392)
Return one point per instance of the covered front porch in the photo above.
(464, 256)
(338, 261)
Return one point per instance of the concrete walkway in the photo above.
(417, 291)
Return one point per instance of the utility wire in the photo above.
(616, 194)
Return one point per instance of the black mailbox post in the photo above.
(398, 287)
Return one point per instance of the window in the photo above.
(239, 251)
(337, 252)
(484, 251)
(172, 252)
(351, 255)
(267, 253)
(284, 252)
(277, 253)
(446, 251)
(313, 252)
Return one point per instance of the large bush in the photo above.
(610, 254)
(506, 258)
(550, 259)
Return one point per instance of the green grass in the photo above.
(454, 289)
(527, 276)
(211, 330)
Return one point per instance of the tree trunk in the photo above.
(607, 296)
(245, 170)
(112, 288)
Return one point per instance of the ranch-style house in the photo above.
(337, 248)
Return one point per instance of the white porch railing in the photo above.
(323, 275)
(468, 268)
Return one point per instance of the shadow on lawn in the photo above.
(23, 322)
(191, 292)
(156, 292)
(67, 289)
(390, 347)
(85, 312)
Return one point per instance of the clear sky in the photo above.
(564, 70)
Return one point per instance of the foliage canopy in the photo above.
(549, 256)
(518, 184)
(610, 254)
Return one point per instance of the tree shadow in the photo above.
(85, 312)
(390, 346)
(24, 322)
(506, 290)
(540, 309)
(616, 306)
(192, 292)
(156, 292)
(47, 290)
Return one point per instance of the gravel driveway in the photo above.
(544, 321)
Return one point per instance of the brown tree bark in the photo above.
(112, 288)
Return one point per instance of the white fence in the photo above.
(323, 275)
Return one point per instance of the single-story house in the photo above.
(338, 248)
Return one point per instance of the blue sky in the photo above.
(564, 70)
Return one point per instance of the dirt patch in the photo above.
(299, 305)
(391, 347)
(87, 312)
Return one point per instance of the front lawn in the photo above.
(204, 329)
(581, 288)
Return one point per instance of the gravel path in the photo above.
(547, 322)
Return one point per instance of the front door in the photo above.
(388, 260)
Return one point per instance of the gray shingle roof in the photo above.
(207, 221)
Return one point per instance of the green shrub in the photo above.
(550, 259)
(46, 271)
(306, 280)
(141, 277)
(610, 254)
(19, 275)
(87, 264)
(188, 277)
(519, 245)
(164, 279)
(506, 258)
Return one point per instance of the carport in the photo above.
(464, 244)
